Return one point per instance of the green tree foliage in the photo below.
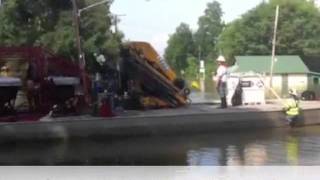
(211, 67)
(210, 27)
(298, 30)
(192, 71)
(50, 23)
(208, 34)
(180, 46)
(184, 46)
(23, 22)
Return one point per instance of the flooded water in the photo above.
(208, 96)
(297, 146)
(273, 147)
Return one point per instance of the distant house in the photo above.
(289, 72)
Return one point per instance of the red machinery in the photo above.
(45, 61)
(42, 67)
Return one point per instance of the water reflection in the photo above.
(207, 156)
(233, 156)
(255, 154)
(292, 147)
(277, 147)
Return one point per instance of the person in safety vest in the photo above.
(221, 80)
(292, 106)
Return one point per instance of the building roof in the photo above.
(262, 64)
(312, 62)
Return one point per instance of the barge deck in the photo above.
(197, 118)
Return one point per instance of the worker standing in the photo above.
(221, 80)
(292, 107)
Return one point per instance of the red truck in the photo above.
(33, 80)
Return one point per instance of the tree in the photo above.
(210, 27)
(184, 46)
(192, 71)
(298, 30)
(50, 23)
(23, 22)
(180, 46)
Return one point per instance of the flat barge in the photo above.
(194, 119)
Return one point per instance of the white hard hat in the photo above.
(221, 59)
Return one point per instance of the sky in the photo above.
(154, 20)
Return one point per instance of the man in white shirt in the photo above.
(221, 80)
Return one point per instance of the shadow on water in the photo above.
(277, 147)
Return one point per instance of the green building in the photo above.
(289, 72)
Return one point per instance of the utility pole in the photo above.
(77, 14)
(118, 66)
(199, 53)
(81, 58)
(76, 20)
(274, 41)
(116, 20)
(202, 72)
(92, 6)
(202, 66)
(116, 24)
